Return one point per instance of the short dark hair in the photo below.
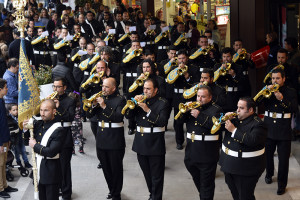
(275, 71)
(208, 71)
(3, 82)
(208, 31)
(282, 50)
(61, 57)
(63, 80)
(154, 82)
(202, 36)
(149, 52)
(193, 23)
(205, 87)
(16, 32)
(10, 105)
(172, 47)
(250, 103)
(228, 50)
(237, 40)
(182, 51)
(292, 41)
(12, 62)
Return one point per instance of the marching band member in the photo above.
(278, 114)
(110, 140)
(149, 141)
(108, 57)
(133, 37)
(163, 44)
(147, 35)
(243, 150)
(202, 148)
(178, 33)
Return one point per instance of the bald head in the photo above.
(49, 102)
(47, 110)
(109, 86)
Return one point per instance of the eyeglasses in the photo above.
(57, 86)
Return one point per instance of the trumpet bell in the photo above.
(129, 104)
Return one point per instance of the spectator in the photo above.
(8, 31)
(272, 41)
(212, 26)
(11, 77)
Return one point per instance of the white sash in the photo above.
(82, 29)
(44, 143)
(90, 26)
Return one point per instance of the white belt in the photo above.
(176, 90)
(124, 50)
(150, 42)
(113, 49)
(245, 72)
(131, 74)
(201, 69)
(232, 89)
(110, 125)
(54, 52)
(48, 158)
(243, 154)
(162, 47)
(41, 52)
(66, 124)
(75, 64)
(86, 73)
(278, 115)
(202, 138)
(68, 55)
(37, 118)
(148, 129)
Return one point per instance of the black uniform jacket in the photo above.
(50, 171)
(250, 136)
(202, 151)
(280, 128)
(150, 143)
(110, 138)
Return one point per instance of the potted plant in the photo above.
(43, 77)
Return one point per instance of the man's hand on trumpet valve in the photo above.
(195, 113)
(278, 95)
(229, 126)
(229, 115)
(56, 103)
(139, 97)
(231, 72)
(100, 101)
(144, 107)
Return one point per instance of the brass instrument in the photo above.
(126, 35)
(134, 53)
(76, 37)
(175, 73)
(269, 75)
(266, 92)
(217, 122)
(221, 71)
(201, 51)
(160, 36)
(150, 32)
(131, 104)
(93, 79)
(180, 39)
(95, 58)
(42, 38)
(241, 56)
(84, 64)
(168, 66)
(189, 93)
(108, 37)
(52, 96)
(64, 42)
(139, 82)
(78, 54)
(87, 103)
(128, 51)
(183, 108)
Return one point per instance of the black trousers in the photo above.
(112, 166)
(153, 168)
(65, 162)
(178, 127)
(204, 177)
(94, 127)
(241, 187)
(284, 151)
(48, 192)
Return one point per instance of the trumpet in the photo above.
(150, 32)
(126, 35)
(87, 103)
(201, 51)
(94, 59)
(64, 42)
(139, 81)
(52, 96)
(84, 64)
(183, 108)
(180, 39)
(269, 75)
(217, 122)
(134, 53)
(189, 93)
(78, 54)
(241, 56)
(128, 51)
(175, 73)
(76, 37)
(108, 37)
(221, 71)
(160, 36)
(266, 92)
(93, 79)
(42, 38)
(169, 65)
(131, 104)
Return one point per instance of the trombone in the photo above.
(139, 81)
(266, 92)
(183, 108)
(217, 122)
(131, 104)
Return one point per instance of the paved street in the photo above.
(89, 183)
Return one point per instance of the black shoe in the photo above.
(131, 131)
(99, 166)
(268, 180)
(28, 165)
(280, 191)
(109, 196)
(4, 194)
(179, 147)
(10, 189)
(20, 164)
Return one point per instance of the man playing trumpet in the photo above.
(202, 149)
